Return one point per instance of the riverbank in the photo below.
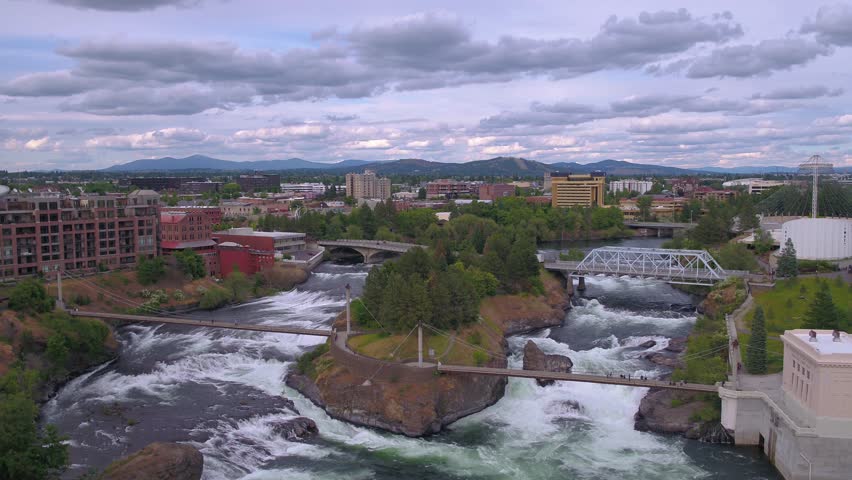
(352, 386)
(703, 360)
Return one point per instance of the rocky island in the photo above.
(392, 396)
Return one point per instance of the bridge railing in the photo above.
(370, 243)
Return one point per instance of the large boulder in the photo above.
(676, 345)
(158, 461)
(535, 359)
(663, 359)
(667, 411)
(297, 428)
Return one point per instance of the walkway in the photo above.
(201, 323)
(574, 377)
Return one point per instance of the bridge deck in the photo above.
(575, 377)
(637, 270)
(202, 323)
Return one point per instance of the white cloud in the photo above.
(379, 143)
(418, 144)
(503, 149)
(154, 139)
(480, 141)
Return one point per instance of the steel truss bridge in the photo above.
(689, 267)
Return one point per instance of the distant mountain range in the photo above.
(500, 166)
(201, 162)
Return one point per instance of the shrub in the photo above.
(30, 296)
(305, 363)
(475, 338)
(479, 358)
(214, 298)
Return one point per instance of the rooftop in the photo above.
(247, 231)
(824, 344)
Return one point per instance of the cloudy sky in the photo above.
(92, 83)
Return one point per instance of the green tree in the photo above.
(421, 194)
(57, 351)
(25, 452)
(756, 353)
(748, 219)
(522, 264)
(238, 286)
(150, 270)
(29, 295)
(736, 256)
(644, 205)
(763, 241)
(191, 263)
(231, 190)
(822, 313)
(788, 265)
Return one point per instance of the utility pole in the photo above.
(348, 310)
(59, 302)
(419, 343)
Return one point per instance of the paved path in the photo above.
(201, 323)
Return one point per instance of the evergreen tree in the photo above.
(823, 314)
(756, 353)
(788, 266)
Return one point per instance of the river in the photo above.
(222, 391)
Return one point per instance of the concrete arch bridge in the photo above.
(372, 250)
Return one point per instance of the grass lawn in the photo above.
(786, 305)
(383, 345)
(774, 352)
(786, 308)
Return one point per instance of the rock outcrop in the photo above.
(411, 408)
(535, 359)
(417, 402)
(298, 428)
(663, 359)
(674, 412)
(648, 344)
(676, 345)
(158, 461)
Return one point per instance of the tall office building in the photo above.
(571, 190)
(367, 185)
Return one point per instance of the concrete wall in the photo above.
(753, 418)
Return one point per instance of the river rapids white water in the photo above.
(222, 392)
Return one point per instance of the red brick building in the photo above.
(213, 214)
(236, 257)
(190, 229)
(252, 251)
(46, 233)
(493, 191)
(449, 188)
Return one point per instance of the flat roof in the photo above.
(824, 344)
(246, 232)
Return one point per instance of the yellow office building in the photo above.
(571, 190)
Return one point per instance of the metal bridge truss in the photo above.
(693, 267)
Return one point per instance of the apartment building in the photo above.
(640, 186)
(570, 190)
(266, 181)
(363, 186)
(46, 233)
(493, 191)
(449, 188)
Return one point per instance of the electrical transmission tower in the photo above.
(814, 166)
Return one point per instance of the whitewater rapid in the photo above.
(223, 392)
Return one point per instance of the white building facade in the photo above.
(641, 186)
